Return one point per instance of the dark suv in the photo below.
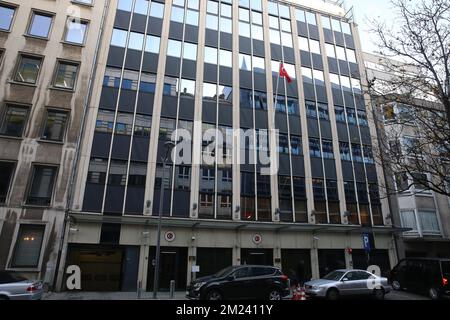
(422, 275)
(241, 282)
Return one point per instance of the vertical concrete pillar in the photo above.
(143, 266)
(315, 263)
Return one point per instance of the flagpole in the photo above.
(276, 93)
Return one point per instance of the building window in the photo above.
(409, 220)
(97, 171)
(55, 125)
(311, 109)
(351, 116)
(357, 153)
(14, 121)
(41, 186)
(40, 24)
(344, 148)
(66, 75)
(6, 17)
(332, 190)
(27, 251)
(75, 31)
(87, 2)
(6, 174)
(362, 117)
(340, 114)
(28, 69)
(314, 148)
(323, 111)
(318, 189)
(327, 148)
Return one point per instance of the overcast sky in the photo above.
(365, 9)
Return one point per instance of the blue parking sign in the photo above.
(366, 242)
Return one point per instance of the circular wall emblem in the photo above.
(257, 239)
(169, 236)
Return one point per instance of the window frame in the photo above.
(64, 134)
(20, 57)
(55, 72)
(4, 109)
(13, 173)
(66, 29)
(30, 182)
(31, 19)
(12, 249)
(13, 7)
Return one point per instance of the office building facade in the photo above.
(196, 67)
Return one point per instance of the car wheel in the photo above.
(433, 293)
(378, 294)
(214, 295)
(333, 294)
(274, 294)
(396, 285)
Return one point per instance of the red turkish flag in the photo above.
(284, 73)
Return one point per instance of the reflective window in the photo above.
(125, 5)
(209, 91)
(212, 22)
(55, 125)
(226, 58)
(141, 6)
(211, 55)
(157, 10)
(244, 29)
(136, 41)
(119, 38)
(187, 88)
(314, 46)
(40, 24)
(14, 120)
(226, 25)
(177, 14)
(6, 17)
(66, 75)
(330, 50)
(174, 48)
(351, 55)
(326, 22)
(259, 65)
(152, 44)
(28, 69)
(245, 62)
(190, 51)
(76, 31)
(311, 18)
(192, 17)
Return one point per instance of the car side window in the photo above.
(350, 276)
(241, 273)
(261, 271)
(362, 275)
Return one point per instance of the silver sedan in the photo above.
(347, 282)
(14, 287)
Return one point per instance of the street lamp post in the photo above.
(169, 146)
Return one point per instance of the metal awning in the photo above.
(231, 225)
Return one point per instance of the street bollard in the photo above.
(172, 289)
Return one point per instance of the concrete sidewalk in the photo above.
(179, 295)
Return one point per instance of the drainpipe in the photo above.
(71, 189)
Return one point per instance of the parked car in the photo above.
(241, 282)
(422, 275)
(346, 282)
(14, 287)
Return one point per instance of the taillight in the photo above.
(444, 281)
(33, 288)
(284, 277)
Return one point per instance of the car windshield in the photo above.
(335, 275)
(224, 272)
(446, 268)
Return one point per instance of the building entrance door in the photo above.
(173, 266)
(263, 257)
